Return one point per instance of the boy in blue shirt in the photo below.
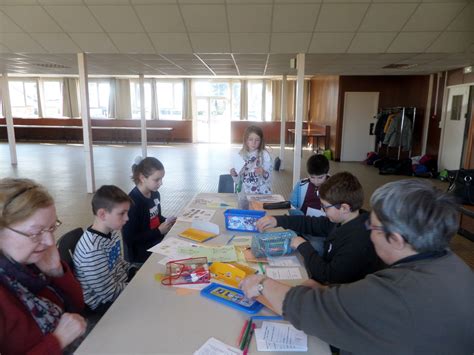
(305, 198)
(98, 262)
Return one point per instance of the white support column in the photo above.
(283, 107)
(9, 119)
(86, 122)
(264, 96)
(143, 118)
(300, 62)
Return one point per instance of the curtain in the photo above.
(276, 100)
(291, 97)
(187, 100)
(112, 97)
(40, 95)
(123, 105)
(244, 100)
(154, 100)
(70, 98)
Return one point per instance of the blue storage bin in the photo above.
(242, 220)
(272, 243)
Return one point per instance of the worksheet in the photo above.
(196, 214)
(283, 273)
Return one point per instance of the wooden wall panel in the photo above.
(394, 91)
(457, 77)
(323, 103)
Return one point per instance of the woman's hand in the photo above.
(249, 285)
(296, 242)
(70, 327)
(266, 223)
(50, 263)
(233, 172)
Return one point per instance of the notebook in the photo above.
(197, 235)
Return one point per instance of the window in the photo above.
(24, 98)
(170, 100)
(99, 92)
(255, 100)
(135, 97)
(235, 101)
(53, 103)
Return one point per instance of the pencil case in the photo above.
(272, 243)
(277, 205)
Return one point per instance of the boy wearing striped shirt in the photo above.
(98, 262)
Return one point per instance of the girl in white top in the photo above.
(255, 177)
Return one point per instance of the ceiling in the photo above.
(235, 37)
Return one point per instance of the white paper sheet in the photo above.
(216, 347)
(283, 273)
(237, 162)
(196, 214)
(206, 226)
(280, 337)
(313, 212)
(284, 261)
(169, 247)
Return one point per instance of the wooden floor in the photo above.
(190, 169)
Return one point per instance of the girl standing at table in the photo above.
(37, 290)
(146, 226)
(255, 177)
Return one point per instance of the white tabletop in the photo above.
(149, 318)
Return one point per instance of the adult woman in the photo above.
(36, 288)
(423, 296)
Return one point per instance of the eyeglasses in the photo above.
(37, 236)
(371, 227)
(324, 208)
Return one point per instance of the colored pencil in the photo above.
(230, 240)
(262, 270)
(249, 339)
(246, 334)
(242, 332)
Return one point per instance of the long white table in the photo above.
(149, 318)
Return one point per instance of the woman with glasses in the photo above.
(422, 303)
(39, 296)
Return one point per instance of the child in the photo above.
(146, 226)
(305, 196)
(255, 176)
(98, 263)
(349, 254)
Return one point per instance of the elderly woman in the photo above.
(36, 288)
(421, 304)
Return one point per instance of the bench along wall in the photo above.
(70, 129)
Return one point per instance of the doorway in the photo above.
(450, 154)
(213, 111)
(360, 108)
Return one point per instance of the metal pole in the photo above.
(9, 119)
(143, 118)
(284, 98)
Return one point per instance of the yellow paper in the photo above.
(196, 235)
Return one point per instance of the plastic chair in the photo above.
(226, 184)
(67, 243)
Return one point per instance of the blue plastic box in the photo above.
(242, 220)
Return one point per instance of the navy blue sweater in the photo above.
(141, 231)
